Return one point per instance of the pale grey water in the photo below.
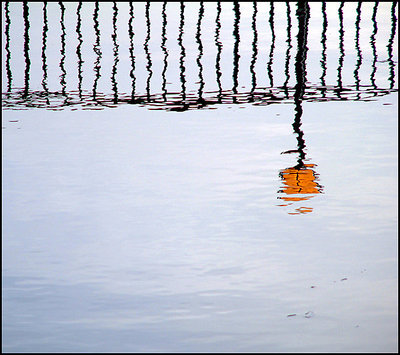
(135, 230)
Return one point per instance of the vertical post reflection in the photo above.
(236, 56)
(372, 41)
(341, 49)
(255, 52)
(390, 45)
(115, 51)
(219, 50)
(164, 49)
(323, 42)
(96, 49)
(44, 47)
(79, 47)
(358, 49)
(8, 52)
(62, 51)
(289, 42)
(271, 53)
(300, 179)
(131, 51)
(182, 56)
(200, 99)
(303, 14)
(146, 49)
(26, 48)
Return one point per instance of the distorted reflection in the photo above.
(96, 49)
(26, 51)
(192, 95)
(79, 47)
(8, 52)
(300, 181)
(115, 51)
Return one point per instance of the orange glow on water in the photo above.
(297, 183)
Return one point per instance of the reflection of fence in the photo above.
(184, 99)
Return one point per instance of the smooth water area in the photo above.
(265, 224)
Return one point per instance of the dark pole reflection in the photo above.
(255, 52)
(271, 53)
(323, 42)
(236, 55)
(200, 99)
(131, 51)
(303, 14)
(26, 49)
(115, 51)
(7, 47)
(390, 46)
(79, 47)
(62, 51)
(146, 49)
(358, 49)
(44, 47)
(219, 50)
(164, 49)
(372, 41)
(289, 42)
(341, 49)
(182, 56)
(300, 179)
(96, 49)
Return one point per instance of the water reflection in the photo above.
(26, 49)
(358, 49)
(255, 52)
(188, 98)
(115, 51)
(289, 42)
(198, 60)
(323, 42)
(96, 49)
(219, 51)
(390, 45)
(341, 49)
(372, 41)
(44, 47)
(146, 49)
(271, 53)
(131, 51)
(8, 52)
(300, 181)
(165, 51)
(182, 57)
(236, 55)
(79, 47)
(63, 82)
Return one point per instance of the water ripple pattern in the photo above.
(235, 55)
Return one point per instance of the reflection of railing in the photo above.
(184, 99)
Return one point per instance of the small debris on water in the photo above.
(309, 314)
(291, 315)
(313, 286)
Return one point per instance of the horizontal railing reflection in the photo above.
(32, 95)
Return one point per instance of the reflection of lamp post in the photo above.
(301, 179)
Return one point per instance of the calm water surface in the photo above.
(198, 177)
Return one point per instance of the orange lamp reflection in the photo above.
(299, 184)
